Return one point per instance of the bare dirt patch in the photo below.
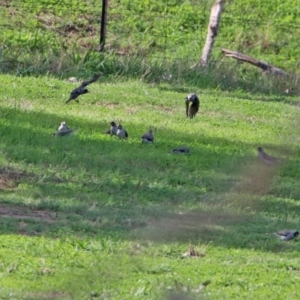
(187, 226)
(9, 178)
(20, 212)
(111, 105)
(257, 180)
(48, 295)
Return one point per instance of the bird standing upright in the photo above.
(113, 128)
(195, 103)
(265, 158)
(148, 138)
(121, 132)
(82, 88)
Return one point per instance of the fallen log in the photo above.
(253, 61)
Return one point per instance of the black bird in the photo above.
(266, 158)
(63, 130)
(113, 128)
(287, 235)
(195, 103)
(122, 133)
(82, 89)
(181, 150)
(148, 138)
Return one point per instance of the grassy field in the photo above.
(91, 216)
(50, 36)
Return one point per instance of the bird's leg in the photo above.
(187, 108)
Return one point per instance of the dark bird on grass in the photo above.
(265, 158)
(63, 130)
(82, 88)
(121, 132)
(181, 150)
(113, 128)
(192, 109)
(287, 235)
(148, 138)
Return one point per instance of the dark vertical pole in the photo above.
(103, 25)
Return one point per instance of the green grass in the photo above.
(91, 216)
(51, 36)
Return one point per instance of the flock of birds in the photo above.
(192, 107)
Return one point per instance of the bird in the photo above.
(63, 130)
(63, 127)
(148, 138)
(265, 158)
(287, 235)
(195, 103)
(181, 150)
(82, 88)
(121, 132)
(113, 128)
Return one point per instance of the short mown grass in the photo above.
(91, 216)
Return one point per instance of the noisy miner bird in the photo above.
(113, 128)
(287, 235)
(265, 158)
(82, 88)
(181, 150)
(195, 103)
(63, 130)
(121, 132)
(148, 138)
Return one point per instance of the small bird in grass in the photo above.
(82, 88)
(265, 158)
(63, 130)
(113, 128)
(181, 150)
(63, 127)
(121, 132)
(148, 138)
(195, 103)
(287, 235)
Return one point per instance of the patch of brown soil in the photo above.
(48, 295)
(110, 105)
(20, 212)
(188, 225)
(257, 180)
(9, 178)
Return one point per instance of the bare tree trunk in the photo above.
(212, 31)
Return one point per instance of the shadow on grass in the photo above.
(92, 184)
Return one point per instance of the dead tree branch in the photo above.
(253, 61)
